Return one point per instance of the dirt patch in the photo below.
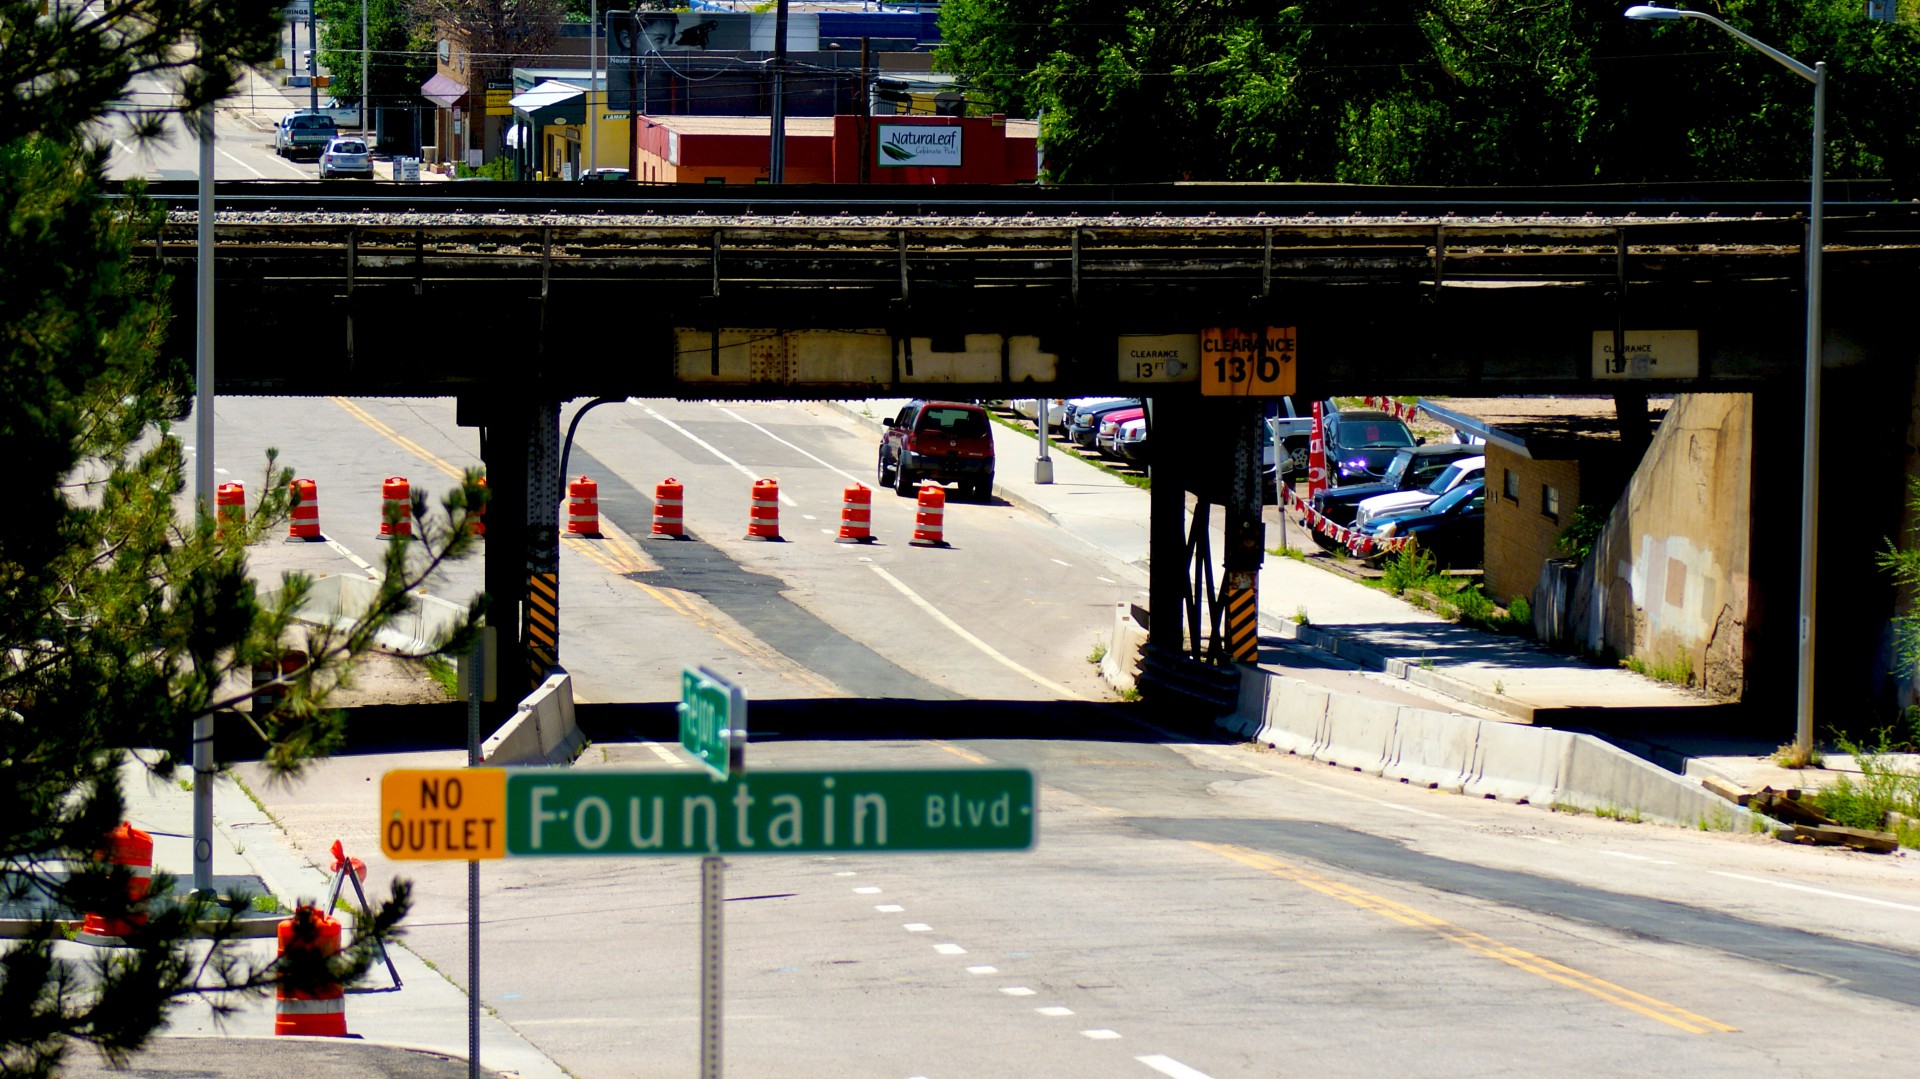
(379, 678)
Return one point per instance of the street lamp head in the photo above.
(1647, 11)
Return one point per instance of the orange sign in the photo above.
(1246, 363)
(443, 814)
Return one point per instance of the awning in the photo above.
(444, 91)
(552, 102)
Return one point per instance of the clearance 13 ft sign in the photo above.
(1244, 363)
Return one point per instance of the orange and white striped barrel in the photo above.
(669, 507)
(396, 507)
(583, 507)
(319, 1011)
(930, 509)
(763, 518)
(305, 523)
(133, 848)
(856, 515)
(479, 519)
(229, 507)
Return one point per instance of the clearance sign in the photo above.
(1235, 362)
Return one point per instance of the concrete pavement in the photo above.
(1493, 675)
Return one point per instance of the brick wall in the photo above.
(1520, 534)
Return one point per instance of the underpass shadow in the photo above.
(409, 728)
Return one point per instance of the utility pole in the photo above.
(777, 154)
(366, 51)
(864, 173)
(593, 83)
(313, 65)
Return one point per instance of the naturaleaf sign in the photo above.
(901, 144)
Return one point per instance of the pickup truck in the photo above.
(1292, 433)
(303, 134)
(343, 115)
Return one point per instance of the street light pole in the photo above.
(1810, 426)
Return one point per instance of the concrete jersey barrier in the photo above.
(1484, 758)
(542, 731)
(339, 600)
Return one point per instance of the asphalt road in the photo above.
(1192, 908)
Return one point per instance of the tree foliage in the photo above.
(493, 35)
(1435, 91)
(124, 614)
(399, 51)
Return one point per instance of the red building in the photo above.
(829, 149)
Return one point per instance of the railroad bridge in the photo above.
(516, 299)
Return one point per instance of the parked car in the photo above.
(1106, 439)
(1029, 407)
(304, 132)
(1133, 440)
(1453, 527)
(1361, 443)
(1411, 468)
(606, 174)
(346, 156)
(1071, 408)
(1462, 471)
(946, 441)
(1084, 424)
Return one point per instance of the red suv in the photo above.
(948, 441)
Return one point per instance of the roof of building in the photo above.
(796, 125)
(1542, 427)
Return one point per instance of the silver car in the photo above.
(346, 156)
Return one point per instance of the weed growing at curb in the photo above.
(1300, 616)
(1499, 688)
(266, 904)
(1789, 756)
(443, 671)
(252, 797)
(1679, 671)
(1567, 807)
(1099, 652)
(1131, 693)
(1882, 790)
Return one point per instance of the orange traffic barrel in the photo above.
(320, 1010)
(856, 515)
(306, 511)
(127, 846)
(929, 510)
(229, 506)
(583, 507)
(396, 507)
(669, 505)
(479, 526)
(763, 518)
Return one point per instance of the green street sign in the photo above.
(560, 811)
(713, 715)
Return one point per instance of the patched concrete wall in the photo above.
(1667, 580)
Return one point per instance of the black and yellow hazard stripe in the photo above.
(1243, 624)
(543, 625)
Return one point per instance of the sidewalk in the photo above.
(1373, 629)
(417, 1030)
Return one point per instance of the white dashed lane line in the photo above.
(1165, 1065)
(1816, 891)
(1171, 1068)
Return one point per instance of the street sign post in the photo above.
(558, 811)
(713, 718)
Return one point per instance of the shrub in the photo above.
(1408, 569)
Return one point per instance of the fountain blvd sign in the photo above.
(559, 811)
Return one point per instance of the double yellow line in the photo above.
(1559, 973)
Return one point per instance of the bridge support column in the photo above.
(520, 445)
(1246, 532)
